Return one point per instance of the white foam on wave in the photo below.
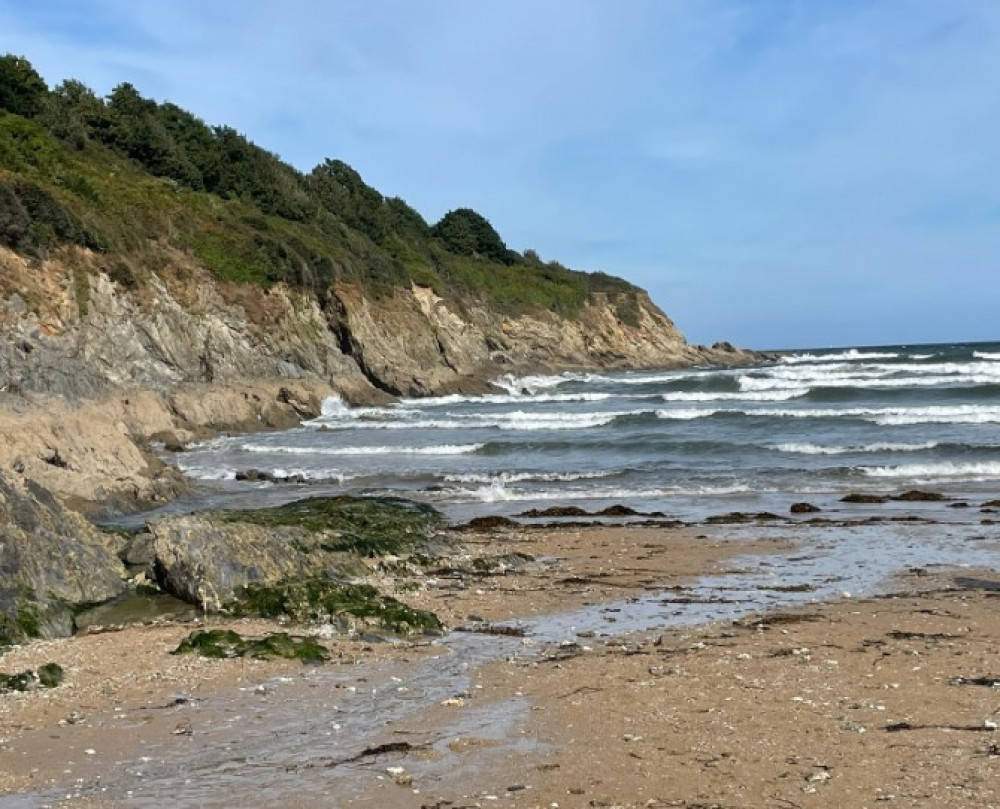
(753, 396)
(852, 355)
(206, 472)
(535, 383)
(217, 473)
(504, 478)
(313, 474)
(935, 470)
(334, 407)
(688, 414)
(512, 420)
(440, 449)
(874, 376)
(501, 398)
(497, 492)
(892, 416)
(887, 446)
(960, 414)
(885, 416)
(334, 412)
(987, 355)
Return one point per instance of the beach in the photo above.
(851, 702)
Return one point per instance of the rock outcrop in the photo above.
(414, 343)
(204, 562)
(207, 559)
(52, 563)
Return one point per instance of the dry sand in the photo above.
(789, 712)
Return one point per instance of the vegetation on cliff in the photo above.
(132, 179)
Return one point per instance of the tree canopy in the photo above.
(21, 88)
(467, 233)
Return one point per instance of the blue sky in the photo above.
(778, 173)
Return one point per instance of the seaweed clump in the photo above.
(325, 601)
(226, 644)
(367, 526)
(48, 676)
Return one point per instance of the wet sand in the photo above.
(787, 712)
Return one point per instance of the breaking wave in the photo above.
(935, 470)
(441, 449)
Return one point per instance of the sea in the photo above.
(809, 425)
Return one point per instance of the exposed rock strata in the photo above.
(91, 452)
(51, 562)
(415, 343)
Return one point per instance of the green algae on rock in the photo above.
(324, 601)
(367, 526)
(48, 676)
(225, 643)
(206, 559)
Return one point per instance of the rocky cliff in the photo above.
(79, 334)
(91, 372)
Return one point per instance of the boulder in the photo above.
(860, 497)
(803, 508)
(919, 496)
(52, 564)
(207, 559)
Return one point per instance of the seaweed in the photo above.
(321, 600)
(367, 526)
(227, 644)
(49, 675)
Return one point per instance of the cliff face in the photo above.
(79, 334)
(415, 343)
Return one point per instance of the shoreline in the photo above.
(710, 677)
(95, 452)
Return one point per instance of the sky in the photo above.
(777, 173)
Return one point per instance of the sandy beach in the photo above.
(852, 703)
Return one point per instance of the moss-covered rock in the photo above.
(50, 675)
(323, 601)
(206, 559)
(225, 643)
(367, 526)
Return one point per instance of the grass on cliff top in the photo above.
(367, 526)
(325, 601)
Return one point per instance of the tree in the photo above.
(21, 88)
(466, 233)
(341, 191)
(74, 114)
